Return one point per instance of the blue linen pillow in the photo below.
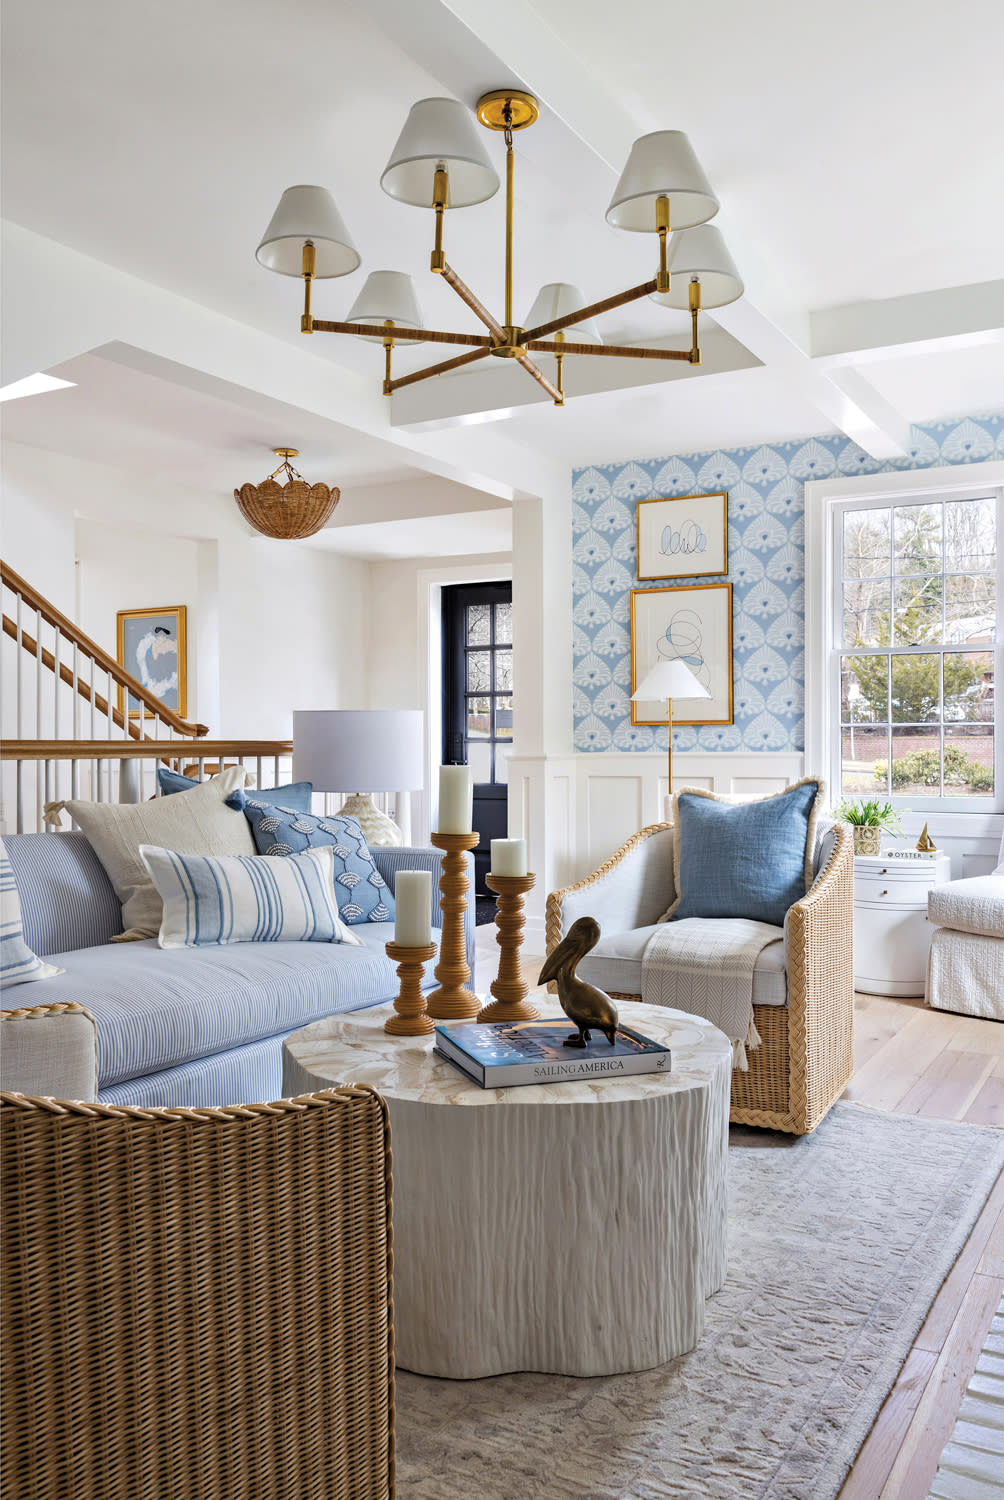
(210, 900)
(744, 859)
(296, 796)
(363, 895)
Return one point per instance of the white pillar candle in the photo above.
(456, 800)
(508, 856)
(413, 908)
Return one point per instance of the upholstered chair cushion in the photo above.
(49, 1051)
(975, 905)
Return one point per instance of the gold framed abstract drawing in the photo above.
(685, 537)
(692, 623)
(152, 646)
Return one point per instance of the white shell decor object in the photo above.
(378, 828)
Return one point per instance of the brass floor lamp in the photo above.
(669, 679)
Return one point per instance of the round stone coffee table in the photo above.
(574, 1228)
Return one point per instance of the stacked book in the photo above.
(511, 1054)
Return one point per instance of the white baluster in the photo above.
(55, 681)
(20, 796)
(76, 692)
(38, 674)
(74, 779)
(20, 671)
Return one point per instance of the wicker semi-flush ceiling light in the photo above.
(439, 162)
(287, 511)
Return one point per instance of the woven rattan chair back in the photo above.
(197, 1303)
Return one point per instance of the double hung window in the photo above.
(915, 628)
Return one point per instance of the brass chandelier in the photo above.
(439, 162)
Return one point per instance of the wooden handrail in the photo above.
(65, 675)
(131, 685)
(204, 749)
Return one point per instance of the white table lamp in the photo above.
(669, 679)
(344, 750)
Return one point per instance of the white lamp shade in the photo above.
(307, 215)
(700, 255)
(556, 300)
(359, 750)
(667, 679)
(662, 165)
(439, 133)
(386, 295)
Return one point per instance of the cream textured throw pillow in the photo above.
(195, 822)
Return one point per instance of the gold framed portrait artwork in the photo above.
(152, 645)
(692, 623)
(685, 537)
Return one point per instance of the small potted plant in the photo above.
(869, 818)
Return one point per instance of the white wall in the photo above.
(272, 626)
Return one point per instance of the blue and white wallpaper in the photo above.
(766, 569)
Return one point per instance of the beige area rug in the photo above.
(838, 1244)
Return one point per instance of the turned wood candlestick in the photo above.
(510, 989)
(453, 1001)
(411, 1017)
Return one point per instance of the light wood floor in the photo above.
(914, 1061)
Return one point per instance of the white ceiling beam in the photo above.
(363, 504)
(459, 41)
(958, 317)
(61, 304)
(495, 388)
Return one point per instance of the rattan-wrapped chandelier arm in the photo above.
(438, 163)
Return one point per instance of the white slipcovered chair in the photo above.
(965, 967)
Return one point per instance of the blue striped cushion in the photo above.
(67, 900)
(18, 964)
(240, 898)
(251, 1074)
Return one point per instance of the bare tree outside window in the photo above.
(918, 624)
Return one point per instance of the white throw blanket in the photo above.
(705, 965)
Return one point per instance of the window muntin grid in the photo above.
(917, 624)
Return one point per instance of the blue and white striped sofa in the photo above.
(192, 1026)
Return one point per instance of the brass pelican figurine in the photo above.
(582, 1003)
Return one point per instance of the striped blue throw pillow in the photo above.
(242, 898)
(18, 965)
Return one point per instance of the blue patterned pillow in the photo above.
(297, 795)
(363, 895)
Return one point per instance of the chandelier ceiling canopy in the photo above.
(440, 162)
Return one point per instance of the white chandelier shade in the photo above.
(387, 296)
(307, 215)
(439, 133)
(700, 255)
(662, 165)
(556, 300)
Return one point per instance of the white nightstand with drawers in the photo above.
(891, 930)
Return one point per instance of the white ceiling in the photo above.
(857, 156)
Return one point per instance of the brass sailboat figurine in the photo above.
(925, 843)
(586, 1006)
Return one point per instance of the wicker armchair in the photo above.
(197, 1303)
(806, 1055)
